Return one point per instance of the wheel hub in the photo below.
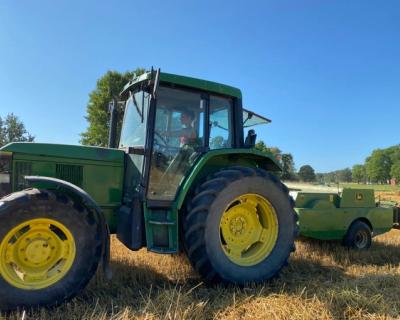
(38, 251)
(238, 225)
(249, 229)
(361, 239)
(36, 254)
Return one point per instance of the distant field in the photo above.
(376, 187)
(335, 187)
(322, 281)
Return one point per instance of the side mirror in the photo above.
(251, 138)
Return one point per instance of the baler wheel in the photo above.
(359, 236)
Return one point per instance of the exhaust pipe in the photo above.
(113, 110)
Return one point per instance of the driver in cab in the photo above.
(187, 135)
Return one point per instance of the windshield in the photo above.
(133, 131)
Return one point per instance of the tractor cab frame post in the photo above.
(112, 134)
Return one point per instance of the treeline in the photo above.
(381, 166)
(306, 173)
(344, 175)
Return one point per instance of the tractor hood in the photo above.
(65, 151)
(98, 171)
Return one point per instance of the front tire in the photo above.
(49, 249)
(241, 226)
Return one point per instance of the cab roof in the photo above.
(187, 82)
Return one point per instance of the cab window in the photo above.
(221, 129)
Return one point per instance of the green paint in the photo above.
(357, 198)
(99, 173)
(222, 158)
(201, 84)
(66, 151)
(209, 163)
(328, 216)
(307, 200)
(161, 230)
(188, 82)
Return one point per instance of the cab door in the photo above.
(133, 141)
(178, 140)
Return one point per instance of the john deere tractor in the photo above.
(185, 176)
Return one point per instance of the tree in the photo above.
(393, 153)
(378, 166)
(307, 173)
(285, 159)
(260, 145)
(358, 173)
(320, 177)
(13, 130)
(344, 175)
(264, 148)
(107, 87)
(217, 142)
(331, 177)
(287, 167)
(395, 171)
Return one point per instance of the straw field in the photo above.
(322, 281)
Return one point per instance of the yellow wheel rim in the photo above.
(249, 230)
(36, 254)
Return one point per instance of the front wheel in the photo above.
(49, 249)
(241, 226)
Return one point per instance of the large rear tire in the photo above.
(49, 249)
(240, 227)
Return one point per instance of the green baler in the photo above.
(353, 217)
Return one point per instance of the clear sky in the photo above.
(326, 72)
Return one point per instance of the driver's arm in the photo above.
(175, 133)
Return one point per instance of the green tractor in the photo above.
(185, 177)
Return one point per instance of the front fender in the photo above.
(89, 203)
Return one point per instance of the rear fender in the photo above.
(216, 160)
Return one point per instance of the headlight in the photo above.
(5, 173)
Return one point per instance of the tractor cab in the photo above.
(177, 131)
(171, 121)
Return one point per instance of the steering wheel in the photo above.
(160, 137)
